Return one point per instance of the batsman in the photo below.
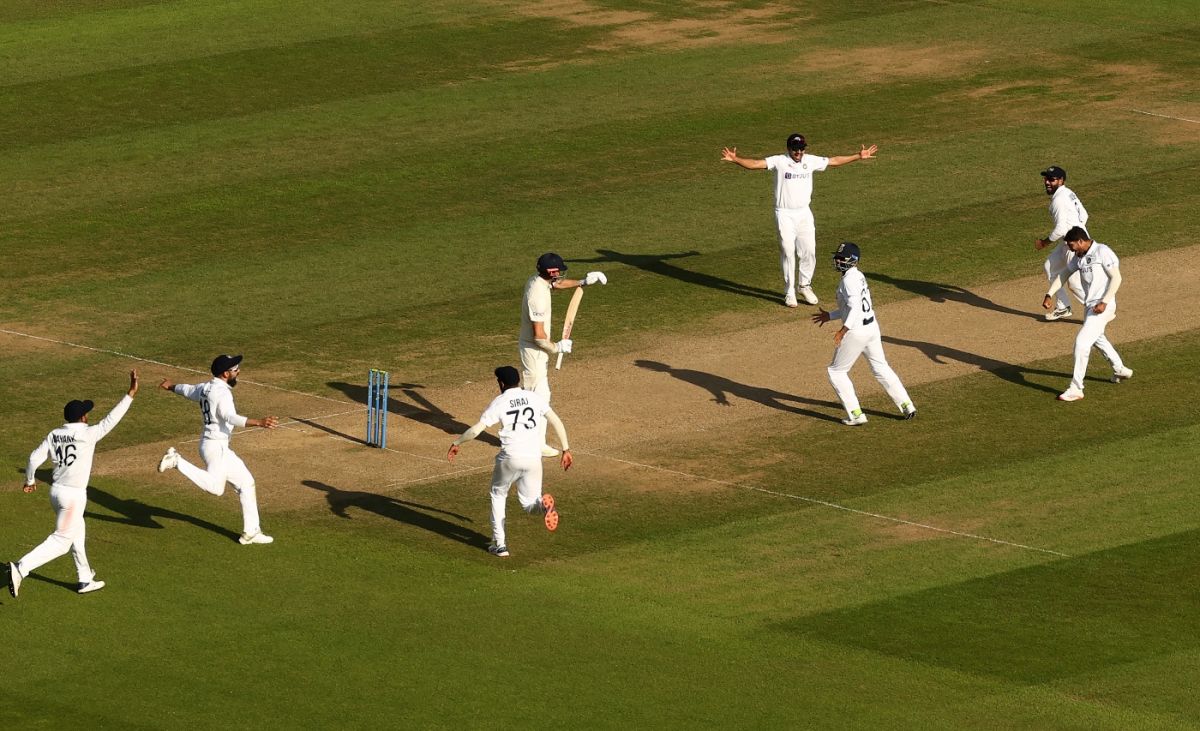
(534, 343)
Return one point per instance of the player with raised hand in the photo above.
(534, 344)
(1067, 211)
(793, 193)
(71, 447)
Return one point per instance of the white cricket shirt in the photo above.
(794, 180)
(1094, 269)
(522, 418)
(854, 301)
(72, 446)
(216, 407)
(1067, 211)
(535, 307)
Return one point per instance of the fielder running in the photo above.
(793, 192)
(522, 415)
(859, 334)
(1067, 211)
(221, 465)
(534, 344)
(1099, 271)
(71, 447)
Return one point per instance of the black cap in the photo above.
(508, 376)
(223, 363)
(796, 141)
(551, 261)
(75, 410)
(1053, 172)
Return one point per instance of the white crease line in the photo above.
(437, 477)
(1164, 116)
(166, 365)
(835, 506)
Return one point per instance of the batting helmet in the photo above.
(846, 256)
(551, 265)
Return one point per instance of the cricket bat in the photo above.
(569, 321)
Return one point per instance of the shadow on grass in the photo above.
(938, 292)
(722, 388)
(1035, 625)
(421, 410)
(140, 515)
(659, 264)
(414, 514)
(1010, 372)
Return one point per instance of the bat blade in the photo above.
(569, 321)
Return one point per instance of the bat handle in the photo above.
(558, 363)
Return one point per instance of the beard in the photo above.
(232, 382)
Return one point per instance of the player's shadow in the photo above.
(421, 410)
(402, 511)
(938, 292)
(722, 388)
(1010, 372)
(661, 265)
(137, 513)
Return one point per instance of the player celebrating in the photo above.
(793, 192)
(221, 465)
(534, 343)
(522, 415)
(859, 334)
(1100, 273)
(1067, 211)
(71, 447)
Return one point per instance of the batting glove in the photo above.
(594, 277)
(564, 346)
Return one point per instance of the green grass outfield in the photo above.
(333, 186)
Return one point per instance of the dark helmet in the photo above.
(846, 256)
(551, 265)
(796, 141)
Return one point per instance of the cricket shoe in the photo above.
(259, 537)
(790, 302)
(858, 418)
(907, 410)
(1121, 375)
(551, 512)
(14, 580)
(548, 451)
(169, 461)
(808, 295)
(90, 586)
(1071, 394)
(498, 551)
(1058, 313)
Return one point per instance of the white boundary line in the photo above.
(1164, 116)
(826, 504)
(726, 483)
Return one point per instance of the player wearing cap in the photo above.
(793, 192)
(523, 416)
(221, 465)
(1100, 272)
(859, 335)
(71, 447)
(534, 344)
(1067, 211)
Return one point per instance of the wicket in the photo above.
(377, 407)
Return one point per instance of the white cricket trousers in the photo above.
(535, 364)
(69, 504)
(527, 473)
(1055, 265)
(221, 466)
(797, 243)
(1091, 334)
(859, 341)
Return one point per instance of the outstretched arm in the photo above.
(729, 154)
(866, 153)
(466, 436)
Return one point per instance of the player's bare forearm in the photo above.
(167, 385)
(566, 283)
(729, 154)
(267, 422)
(866, 153)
